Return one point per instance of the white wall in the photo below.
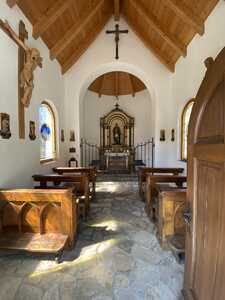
(135, 58)
(138, 107)
(169, 92)
(19, 159)
(190, 71)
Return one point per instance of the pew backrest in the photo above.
(39, 211)
(90, 171)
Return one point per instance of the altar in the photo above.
(117, 141)
(117, 161)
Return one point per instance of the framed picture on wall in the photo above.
(72, 136)
(62, 135)
(162, 135)
(32, 131)
(5, 132)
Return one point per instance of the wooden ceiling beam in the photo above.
(86, 44)
(130, 79)
(151, 46)
(51, 15)
(116, 10)
(186, 15)
(116, 84)
(73, 32)
(163, 32)
(101, 86)
(12, 3)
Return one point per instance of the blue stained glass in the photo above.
(47, 132)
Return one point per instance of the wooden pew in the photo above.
(90, 171)
(38, 220)
(171, 227)
(151, 191)
(80, 184)
(143, 171)
(171, 206)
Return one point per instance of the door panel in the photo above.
(212, 122)
(209, 196)
(205, 238)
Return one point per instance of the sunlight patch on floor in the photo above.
(109, 225)
(110, 187)
(87, 254)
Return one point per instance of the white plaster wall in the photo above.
(19, 159)
(138, 107)
(135, 58)
(169, 92)
(190, 71)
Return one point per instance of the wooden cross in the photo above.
(23, 34)
(117, 33)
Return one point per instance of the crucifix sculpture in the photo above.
(117, 33)
(29, 60)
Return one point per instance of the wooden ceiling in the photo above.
(117, 84)
(68, 27)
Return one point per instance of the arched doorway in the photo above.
(132, 98)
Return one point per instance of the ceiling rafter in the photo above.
(71, 34)
(151, 20)
(167, 42)
(101, 86)
(130, 79)
(151, 47)
(117, 84)
(128, 84)
(88, 41)
(187, 15)
(116, 10)
(12, 3)
(51, 15)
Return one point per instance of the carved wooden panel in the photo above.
(32, 217)
(39, 211)
(170, 209)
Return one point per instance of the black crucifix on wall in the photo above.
(117, 33)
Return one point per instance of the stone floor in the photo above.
(117, 256)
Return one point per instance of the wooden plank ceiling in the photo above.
(117, 84)
(68, 27)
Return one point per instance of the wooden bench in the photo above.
(38, 220)
(151, 190)
(90, 171)
(79, 183)
(171, 206)
(143, 171)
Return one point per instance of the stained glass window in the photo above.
(184, 128)
(47, 133)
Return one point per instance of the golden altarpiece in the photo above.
(117, 140)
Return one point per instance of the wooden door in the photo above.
(205, 242)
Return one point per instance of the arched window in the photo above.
(185, 118)
(47, 127)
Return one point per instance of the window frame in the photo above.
(54, 157)
(184, 111)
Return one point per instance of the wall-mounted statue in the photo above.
(32, 61)
(5, 132)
